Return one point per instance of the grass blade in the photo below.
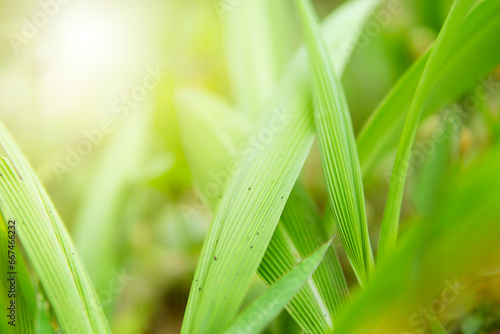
(300, 231)
(338, 150)
(455, 241)
(440, 51)
(302, 223)
(47, 244)
(244, 223)
(271, 171)
(265, 308)
(479, 32)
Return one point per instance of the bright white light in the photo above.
(87, 55)
(90, 37)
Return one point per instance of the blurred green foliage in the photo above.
(132, 202)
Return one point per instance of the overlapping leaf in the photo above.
(47, 244)
(478, 32)
(210, 144)
(440, 51)
(338, 150)
(265, 308)
(459, 238)
(245, 221)
(256, 197)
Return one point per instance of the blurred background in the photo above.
(88, 89)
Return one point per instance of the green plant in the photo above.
(207, 312)
(248, 158)
(48, 246)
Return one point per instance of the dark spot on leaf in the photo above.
(215, 258)
(251, 246)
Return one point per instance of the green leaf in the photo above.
(265, 308)
(245, 221)
(338, 150)
(47, 244)
(440, 51)
(255, 198)
(459, 240)
(211, 146)
(478, 32)
(303, 231)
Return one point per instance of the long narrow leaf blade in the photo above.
(244, 223)
(338, 150)
(300, 232)
(265, 308)
(459, 239)
(390, 221)
(237, 212)
(47, 244)
(479, 32)
(302, 224)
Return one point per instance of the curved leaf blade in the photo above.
(48, 244)
(441, 49)
(293, 95)
(211, 147)
(383, 129)
(265, 308)
(338, 150)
